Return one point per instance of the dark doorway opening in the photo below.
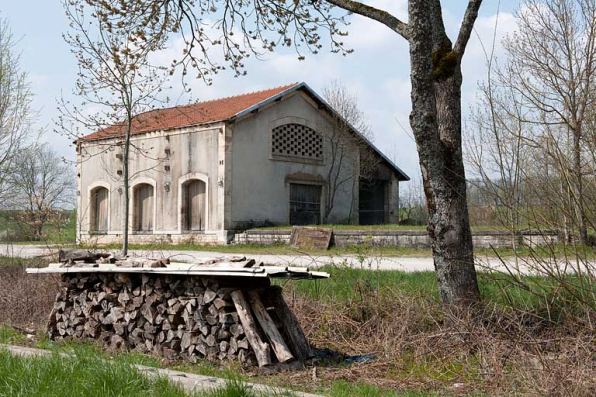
(372, 203)
(305, 204)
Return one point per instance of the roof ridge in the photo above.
(193, 113)
(227, 97)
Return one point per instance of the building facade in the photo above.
(199, 173)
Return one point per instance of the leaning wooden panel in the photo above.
(292, 328)
(280, 348)
(261, 349)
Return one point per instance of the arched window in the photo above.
(143, 208)
(296, 141)
(99, 210)
(194, 205)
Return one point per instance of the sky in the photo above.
(377, 72)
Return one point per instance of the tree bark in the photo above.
(579, 187)
(436, 122)
(126, 211)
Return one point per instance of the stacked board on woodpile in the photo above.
(180, 316)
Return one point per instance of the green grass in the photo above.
(89, 374)
(348, 284)
(56, 376)
(362, 251)
(17, 261)
(10, 336)
(283, 249)
(63, 233)
(94, 376)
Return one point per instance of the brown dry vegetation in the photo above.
(418, 345)
(25, 301)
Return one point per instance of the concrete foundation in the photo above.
(402, 238)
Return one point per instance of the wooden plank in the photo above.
(231, 275)
(65, 255)
(304, 237)
(292, 328)
(261, 349)
(281, 350)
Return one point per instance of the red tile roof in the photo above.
(198, 113)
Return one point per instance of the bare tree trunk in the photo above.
(436, 123)
(126, 190)
(579, 189)
(564, 204)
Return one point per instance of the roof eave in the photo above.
(83, 139)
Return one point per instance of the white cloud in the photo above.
(366, 34)
(378, 72)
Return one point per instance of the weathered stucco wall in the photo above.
(193, 154)
(260, 184)
(245, 182)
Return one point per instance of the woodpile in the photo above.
(180, 317)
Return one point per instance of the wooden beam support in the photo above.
(293, 330)
(261, 349)
(281, 350)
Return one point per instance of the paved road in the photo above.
(407, 264)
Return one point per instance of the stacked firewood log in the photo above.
(180, 317)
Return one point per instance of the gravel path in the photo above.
(407, 264)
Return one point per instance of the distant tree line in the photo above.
(531, 139)
(35, 183)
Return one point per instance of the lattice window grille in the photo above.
(297, 140)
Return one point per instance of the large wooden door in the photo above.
(196, 200)
(305, 204)
(143, 221)
(99, 210)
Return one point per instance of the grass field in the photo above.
(363, 251)
(63, 232)
(529, 338)
(94, 377)
(56, 376)
(64, 235)
(90, 373)
(281, 249)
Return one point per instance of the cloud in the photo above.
(377, 72)
(368, 35)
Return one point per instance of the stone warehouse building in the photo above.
(200, 172)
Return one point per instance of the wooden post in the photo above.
(298, 341)
(281, 350)
(260, 348)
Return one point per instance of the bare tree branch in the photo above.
(376, 14)
(466, 27)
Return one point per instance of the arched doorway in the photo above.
(99, 210)
(143, 208)
(194, 205)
